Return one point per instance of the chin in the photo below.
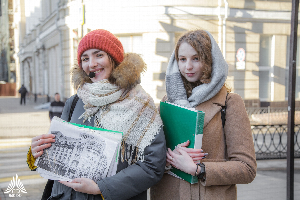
(192, 80)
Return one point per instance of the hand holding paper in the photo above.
(79, 152)
(83, 185)
(41, 142)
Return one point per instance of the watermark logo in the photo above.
(15, 186)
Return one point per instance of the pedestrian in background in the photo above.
(23, 92)
(56, 107)
(227, 157)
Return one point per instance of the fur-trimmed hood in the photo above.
(126, 75)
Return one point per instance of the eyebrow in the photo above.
(185, 56)
(95, 52)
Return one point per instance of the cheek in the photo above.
(200, 69)
(180, 67)
(85, 68)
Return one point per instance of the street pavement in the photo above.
(18, 124)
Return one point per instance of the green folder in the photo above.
(182, 124)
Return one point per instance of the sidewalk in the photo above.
(270, 181)
(18, 121)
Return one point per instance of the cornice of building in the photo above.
(233, 13)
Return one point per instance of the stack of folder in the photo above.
(180, 125)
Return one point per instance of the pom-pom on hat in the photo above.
(103, 40)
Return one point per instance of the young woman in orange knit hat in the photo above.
(227, 157)
(110, 97)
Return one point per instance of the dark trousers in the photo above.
(23, 98)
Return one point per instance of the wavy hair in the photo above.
(200, 41)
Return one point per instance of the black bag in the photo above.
(49, 184)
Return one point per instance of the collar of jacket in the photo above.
(212, 106)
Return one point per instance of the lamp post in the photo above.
(291, 101)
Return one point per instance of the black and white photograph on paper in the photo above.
(79, 152)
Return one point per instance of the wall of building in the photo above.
(151, 29)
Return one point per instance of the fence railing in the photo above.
(271, 115)
(270, 141)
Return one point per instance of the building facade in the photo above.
(7, 43)
(253, 36)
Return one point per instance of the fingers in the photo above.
(76, 180)
(194, 153)
(37, 154)
(41, 142)
(44, 136)
(171, 156)
(75, 186)
(197, 158)
(185, 144)
(198, 155)
(181, 151)
(190, 150)
(38, 151)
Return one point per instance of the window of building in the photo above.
(0, 8)
(297, 85)
(132, 43)
(265, 58)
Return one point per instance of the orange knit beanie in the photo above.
(103, 40)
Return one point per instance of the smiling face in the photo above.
(190, 65)
(95, 60)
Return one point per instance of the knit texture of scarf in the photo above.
(134, 114)
(175, 88)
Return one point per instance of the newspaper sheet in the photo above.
(78, 152)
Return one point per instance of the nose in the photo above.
(189, 65)
(93, 62)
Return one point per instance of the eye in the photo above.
(196, 58)
(182, 59)
(100, 55)
(84, 59)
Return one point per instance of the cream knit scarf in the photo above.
(133, 113)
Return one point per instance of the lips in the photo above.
(98, 71)
(190, 74)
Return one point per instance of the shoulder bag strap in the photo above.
(74, 102)
(223, 112)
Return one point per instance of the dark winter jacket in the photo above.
(23, 90)
(56, 109)
(130, 182)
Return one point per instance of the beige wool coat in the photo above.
(231, 156)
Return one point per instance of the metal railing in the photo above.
(270, 141)
(271, 115)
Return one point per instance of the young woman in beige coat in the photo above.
(195, 78)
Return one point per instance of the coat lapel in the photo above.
(212, 106)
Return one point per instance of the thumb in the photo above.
(76, 180)
(185, 144)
